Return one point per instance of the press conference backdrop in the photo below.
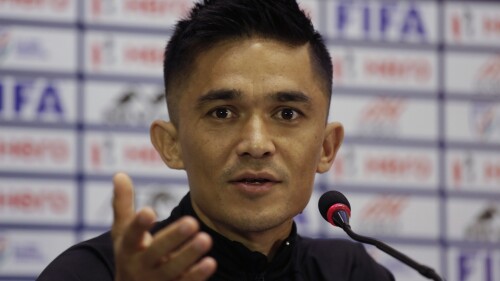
(417, 86)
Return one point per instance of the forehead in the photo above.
(253, 64)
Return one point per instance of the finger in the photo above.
(202, 270)
(169, 239)
(187, 256)
(123, 203)
(136, 236)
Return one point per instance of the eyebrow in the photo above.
(290, 96)
(220, 94)
(233, 94)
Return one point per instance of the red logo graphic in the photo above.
(399, 166)
(28, 150)
(383, 109)
(408, 69)
(145, 154)
(35, 202)
(488, 77)
(384, 207)
(145, 55)
(492, 172)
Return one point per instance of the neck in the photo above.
(266, 241)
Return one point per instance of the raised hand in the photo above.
(173, 253)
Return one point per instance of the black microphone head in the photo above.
(329, 199)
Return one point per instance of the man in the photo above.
(248, 85)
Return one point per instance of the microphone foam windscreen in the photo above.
(329, 199)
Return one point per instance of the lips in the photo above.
(255, 178)
(255, 184)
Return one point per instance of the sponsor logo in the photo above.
(5, 40)
(488, 77)
(34, 202)
(380, 20)
(462, 24)
(56, 5)
(139, 7)
(491, 26)
(103, 52)
(485, 120)
(135, 108)
(485, 226)
(399, 166)
(108, 52)
(344, 67)
(105, 153)
(468, 23)
(382, 215)
(471, 170)
(20, 252)
(381, 117)
(24, 95)
(29, 150)
(21, 47)
(408, 69)
(463, 170)
(345, 166)
(475, 265)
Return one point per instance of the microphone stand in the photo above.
(422, 269)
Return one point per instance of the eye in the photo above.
(287, 114)
(222, 113)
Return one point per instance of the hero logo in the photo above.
(26, 95)
(404, 20)
(485, 227)
(381, 117)
(35, 202)
(142, 155)
(418, 70)
(382, 214)
(148, 55)
(476, 265)
(29, 150)
(135, 108)
(485, 120)
(58, 5)
(142, 7)
(399, 166)
(488, 77)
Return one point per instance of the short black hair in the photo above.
(213, 21)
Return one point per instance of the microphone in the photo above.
(335, 208)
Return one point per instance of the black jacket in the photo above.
(298, 259)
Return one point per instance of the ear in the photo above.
(164, 138)
(334, 135)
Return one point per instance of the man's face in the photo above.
(252, 134)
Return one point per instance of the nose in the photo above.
(255, 139)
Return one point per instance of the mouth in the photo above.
(255, 183)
